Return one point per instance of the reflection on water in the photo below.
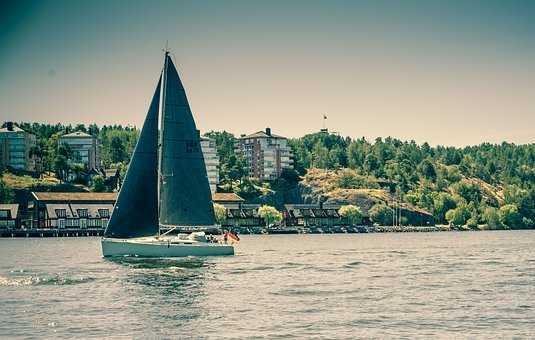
(175, 284)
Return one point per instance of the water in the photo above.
(454, 284)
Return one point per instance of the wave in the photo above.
(56, 280)
(159, 263)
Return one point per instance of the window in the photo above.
(61, 213)
(3, 213)
(191, 146)
(61, 223)
(104, 213)
(82, 213)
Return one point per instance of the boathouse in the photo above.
(239, 214)
(70, 209)
(307, 215)
(228, 199)
(9, 216)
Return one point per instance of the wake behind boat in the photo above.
(166, 183)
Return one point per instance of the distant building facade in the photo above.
(15, 146)
(238, 213)
(228, 199)
(312, 215)
(84, 147)
(71, 210)
(211, 160)
(266, 154)
(9, 216)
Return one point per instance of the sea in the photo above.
(339, 286)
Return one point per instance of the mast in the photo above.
(161, 114)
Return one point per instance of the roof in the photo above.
(15, 129)
(311, 210)
(52, 209)
(110, 172)
(92, 209)
(226, 197)
(262, 134)
(75, 196)
(13, 208)
(77, 134)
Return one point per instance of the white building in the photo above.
(211, 160)
(15, 145)
(266, 154)
(84, 147)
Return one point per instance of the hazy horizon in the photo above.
(456, 73)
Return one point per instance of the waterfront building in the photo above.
(9, 216)
(266, 154)
(70, 209)
(15, 146)
(211, 161)
(238, 213)
(245, 216)
(84, 147)
(308, 215)
(228, 199)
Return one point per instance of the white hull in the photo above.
(166, 247)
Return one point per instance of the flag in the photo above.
(324, 116)
(230, 236)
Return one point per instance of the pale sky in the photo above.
(445, 72)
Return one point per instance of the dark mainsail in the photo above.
(135, 213)
(185, 197)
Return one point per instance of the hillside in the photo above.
(346, 186)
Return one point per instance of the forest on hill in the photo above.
(491, 184)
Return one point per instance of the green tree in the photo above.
(470, 192)
(509, 216)
(6, 193)
(98, 184)
(427, 169)
(381, 214)
(62, 165)
(491, 217)
(117, 150)
(441, 204)
(220, 213)
(269, 214)
(458, 216)
(352, 213)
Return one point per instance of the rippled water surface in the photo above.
(468, 285)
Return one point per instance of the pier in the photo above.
(49, 232)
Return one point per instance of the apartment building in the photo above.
(266, 154)
(15, 146)
(211, 160)
(84, 147)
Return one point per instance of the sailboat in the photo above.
(166, 185)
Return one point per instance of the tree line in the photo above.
(491, 184)
(488, 183)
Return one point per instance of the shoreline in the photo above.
(94, 232)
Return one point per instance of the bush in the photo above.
(352, 213)
(381, 214)
(269, 214)
(509, 216)
(220, 213)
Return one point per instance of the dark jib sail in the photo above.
(185, 197)
(135, 213)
